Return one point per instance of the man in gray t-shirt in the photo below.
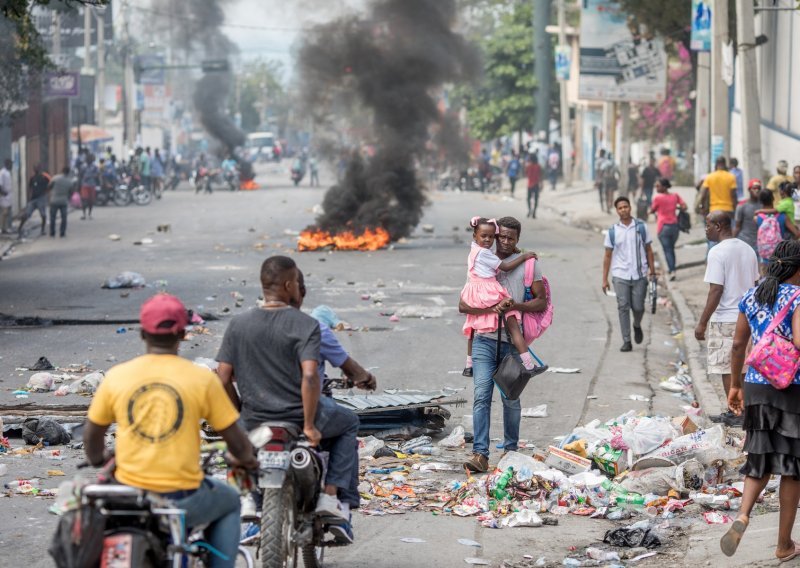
(746, 227)
(58, 192)
(272, 354)
(484, 350)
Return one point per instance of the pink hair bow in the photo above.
(496, 226)
(475, 220)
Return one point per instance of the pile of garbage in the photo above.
(631, 465)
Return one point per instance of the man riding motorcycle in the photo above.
(272, 353)
(157, 401)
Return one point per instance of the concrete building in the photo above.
(779, 72)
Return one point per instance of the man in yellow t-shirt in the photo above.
(774, 183)
(719, 188)
(158, 401)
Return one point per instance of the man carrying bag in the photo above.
(487, 350)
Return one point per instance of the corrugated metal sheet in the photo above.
(365, 401)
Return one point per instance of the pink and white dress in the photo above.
(482, 290)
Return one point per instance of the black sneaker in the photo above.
(467, 372)
(733, 421)
(638, 335)
(720, 418)
(626, 347)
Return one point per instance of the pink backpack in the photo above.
(535, 324)
(774, 356)
(768, 236)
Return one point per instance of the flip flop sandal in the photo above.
(792, 556)
(730, 540)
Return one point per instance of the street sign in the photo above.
(65, 84)
(215, 65)
(701, 25)
(617, 64)
(150, 69)
(562, 59)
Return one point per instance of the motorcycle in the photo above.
(202, 180)
(139, 528)
(130, 190)
(291, 477)
(105, 192)
(297, 176)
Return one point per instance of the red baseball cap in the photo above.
(752, 182)
(163, 314)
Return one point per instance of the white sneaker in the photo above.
(330, 506)
(248, 507)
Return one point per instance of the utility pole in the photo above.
(702, 124)
(542, 68)
(128, 94)
(101, 67)
(87, 40)
(751, 107)
(624, 146)
(566, 132)
(719, 89)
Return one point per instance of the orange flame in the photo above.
(371, 239)
(249, 185)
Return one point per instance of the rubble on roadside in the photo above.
(653, 473)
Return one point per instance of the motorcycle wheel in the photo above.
(278, 521)
(141, 196)
(313, 556)
(102, 198)
(121, 197)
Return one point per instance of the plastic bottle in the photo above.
(612, 487)
(428, 451)
(630, 500)
(500, 489)
(20, 482)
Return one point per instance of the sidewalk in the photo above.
(580, 207)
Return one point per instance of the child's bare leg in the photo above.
(468, 365)
(516, 335)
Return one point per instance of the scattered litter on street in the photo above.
(468, 542)
(563, 370)
(535, 412)
(125, 280)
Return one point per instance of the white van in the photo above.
(259, 146)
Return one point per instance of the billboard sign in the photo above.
(701, 25)
(58, 85)
(616, 62)
(151, 69)
(72, 29)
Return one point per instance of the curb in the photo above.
(705, 393)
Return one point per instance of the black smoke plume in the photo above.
(393, 61)
(201, 35)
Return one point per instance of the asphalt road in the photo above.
(214, 248)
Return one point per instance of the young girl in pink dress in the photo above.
(482, 290)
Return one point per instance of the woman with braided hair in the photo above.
(771, 416)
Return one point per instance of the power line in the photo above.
(223, 24)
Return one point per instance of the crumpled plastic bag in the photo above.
(87, 384)
(535, 412)
(523, 518)
(647, 434)
(45, 430)
(657, 480)
(368, 446)
(125, 280)
(632, 537)
(41, 382)
(705, 446)
(455, 439)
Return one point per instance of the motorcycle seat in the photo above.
(293, 429)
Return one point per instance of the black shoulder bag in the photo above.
(511, 377)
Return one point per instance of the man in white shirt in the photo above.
(629, 257)
(731, 270)
(5, 197)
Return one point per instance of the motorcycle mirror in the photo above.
(260, 435)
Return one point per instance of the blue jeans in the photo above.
(668, 237)
(484, 364)
(217, 504)
(339, 427)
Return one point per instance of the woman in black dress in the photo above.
(771, 416)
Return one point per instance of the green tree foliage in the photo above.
(24, 55)
(262, 94)
(503, 102)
